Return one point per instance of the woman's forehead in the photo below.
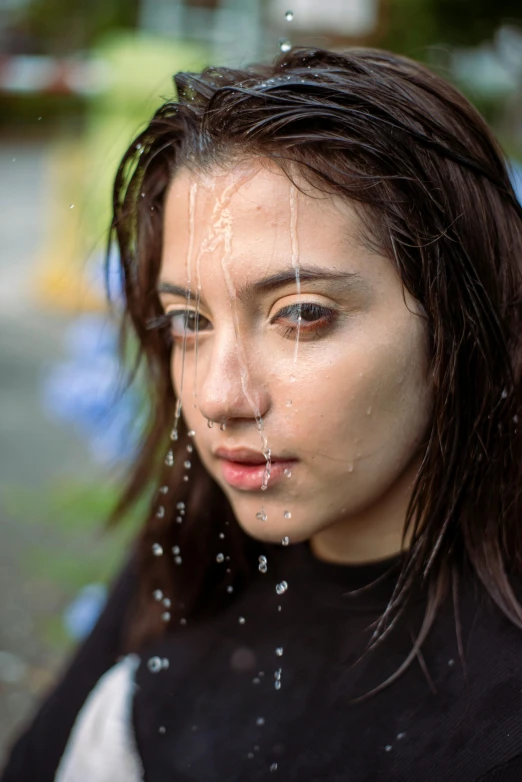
(254, 211)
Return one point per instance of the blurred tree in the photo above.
(62, 27)
(411, 26)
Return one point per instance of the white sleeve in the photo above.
(101, 747)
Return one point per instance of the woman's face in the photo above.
(341, 398)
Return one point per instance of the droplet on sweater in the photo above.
(154, 664)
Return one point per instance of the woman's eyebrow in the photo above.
(277, 280)
(306, 274)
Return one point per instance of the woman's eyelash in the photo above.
(188, 317)
(310, 318)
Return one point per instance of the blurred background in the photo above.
(77, 81)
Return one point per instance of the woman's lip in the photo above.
(249, 477)
(245, 455)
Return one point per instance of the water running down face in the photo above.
(345, 414)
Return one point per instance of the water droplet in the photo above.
(169, 459)
(277, 684)
(160, 513)
(241, 620)
(162, 729)
(175, 549)
(504, 393)
(39, 118)
(230, 589)
(261, 673)
(515, 419)
(256, 680)
(287, 514)
(388, 748)
(287, 472)
(191, 433)
(349, 466)
(289, 16)
(281, 588)
(71, 206)
(157, 595)
(261, 515)
(400, 735)
(154, 664)
(260, 721)
(285, 541)
(220, 558)
(185, 478)
(163, 489)
(210, 423)
(277, 674)
(263, 566)
(273, 767)
(279, 608)
(190, 448)
(183, 621)
(180, 506)
(179, 519)
(165, 616)
(164, 663)
(139, 146)
(250, 755)
(369, 410)
(289, 403)
(451, 663)
(174, 435)
(187, 465)
(157, 550)
(223, 425)
(221, 535)
(166, 602)
(178, 560)
(292, 377)
(279, 651)
(284, 44)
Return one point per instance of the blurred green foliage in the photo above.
(74, 514)
(413, 26)
(62, 27)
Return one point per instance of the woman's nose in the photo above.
(230, 384)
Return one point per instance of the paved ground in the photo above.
(33, 449)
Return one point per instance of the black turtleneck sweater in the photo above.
(267, 689)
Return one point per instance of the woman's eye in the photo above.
(186, 323)
(307, 317)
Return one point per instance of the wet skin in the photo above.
(346, 414)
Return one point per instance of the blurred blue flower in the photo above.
(516, 178)
(85, 390)
(82, 614)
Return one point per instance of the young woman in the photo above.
(321, 263)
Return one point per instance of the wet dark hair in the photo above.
(432, 189)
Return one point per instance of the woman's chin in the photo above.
(275, 532)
